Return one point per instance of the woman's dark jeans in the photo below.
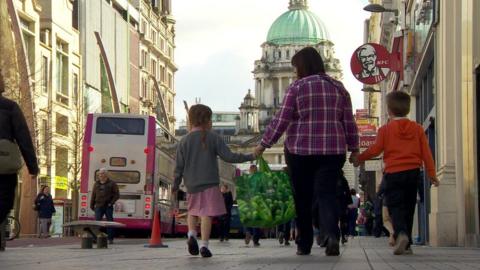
(314, 182)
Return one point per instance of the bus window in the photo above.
(125, 126)
(124, 177)
(164, 191)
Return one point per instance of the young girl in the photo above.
(197, 164)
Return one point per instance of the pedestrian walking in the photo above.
(382, 218)
(197, 165)
(251, 232)
(353, 213)
(343, 200)
(44, 206)
(15, 143)
(284, 233)
(316, 115)
(405, 150)
(225, 219)
(284, 229)
(104, 195)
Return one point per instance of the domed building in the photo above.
(293, 30)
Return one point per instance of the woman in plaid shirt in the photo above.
(316, 115)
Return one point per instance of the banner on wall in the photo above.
(61, 183)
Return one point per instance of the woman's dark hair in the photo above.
(308, 62)
(353, 192)
(43, 188)
(200, 115)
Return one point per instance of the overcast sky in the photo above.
(219, 40)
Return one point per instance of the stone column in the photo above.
(470, 52)
(445, 217)
(281, 91)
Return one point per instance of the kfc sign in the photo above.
(370, 63)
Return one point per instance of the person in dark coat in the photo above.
(343, 201)
(45, 208)
(13, 128)
(225, 219)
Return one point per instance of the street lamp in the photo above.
(371, 90)
(380, 9)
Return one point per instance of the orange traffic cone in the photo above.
(156, 237)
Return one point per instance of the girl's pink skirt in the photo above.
(207, 203)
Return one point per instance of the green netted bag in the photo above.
(265, 198)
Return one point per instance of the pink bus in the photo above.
(138, 160)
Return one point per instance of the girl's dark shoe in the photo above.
(192, 245)
(344, 240)
(205, 252)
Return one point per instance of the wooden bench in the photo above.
(92, 227)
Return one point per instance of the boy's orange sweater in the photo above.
(404, 146)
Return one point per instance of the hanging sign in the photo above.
(370, 63)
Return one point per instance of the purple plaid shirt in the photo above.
(317, 115)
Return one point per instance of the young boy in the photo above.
(405, 151)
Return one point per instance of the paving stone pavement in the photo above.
(362, 253)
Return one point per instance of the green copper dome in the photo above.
(297, 26)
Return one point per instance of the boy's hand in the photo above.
(353, 156)
(434, 181)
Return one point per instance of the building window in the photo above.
(154, 37)
(143, 28)
(288, 54)
(425, 98)
(143, 93)
(279, 54)
(170, 81)
(154, 68)
(28, 32)
(61, 124)
(62, 72)
(45, 36)
(162, 74)
(45, 74)
(170, 52)
(75, 88)
(152, 94)
(144, 62)
(162, 44)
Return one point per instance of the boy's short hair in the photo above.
(398, 103)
